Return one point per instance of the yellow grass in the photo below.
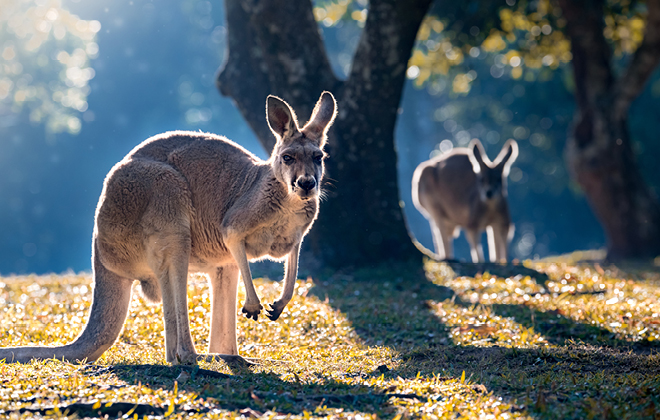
(380, 343)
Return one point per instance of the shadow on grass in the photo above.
(387, 307)
(561, 330)
(379, 317)
(252, 393)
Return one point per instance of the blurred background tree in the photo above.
(154, 71)
(599, 151)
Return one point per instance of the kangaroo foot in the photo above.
(230, 359)
(275, 310)
(252, 310)
(184, 359)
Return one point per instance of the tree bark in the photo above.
(599, 151)
(276, 47)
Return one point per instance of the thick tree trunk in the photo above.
(599, 151)
(362, 221)
(275, 47)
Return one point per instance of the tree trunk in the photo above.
(275, 47)
(599, 151)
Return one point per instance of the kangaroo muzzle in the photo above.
(306, 183)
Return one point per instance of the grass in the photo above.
(394, 342)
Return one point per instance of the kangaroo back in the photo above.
(446, 185)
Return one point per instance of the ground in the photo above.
(396, 342)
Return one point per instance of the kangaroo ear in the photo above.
(281, 118)
(322, 117)
(507, 156)
(476, 155)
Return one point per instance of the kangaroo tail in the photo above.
(112, 296)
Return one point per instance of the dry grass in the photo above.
(386, 343)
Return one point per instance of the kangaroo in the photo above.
(185, 202)
(463, 188)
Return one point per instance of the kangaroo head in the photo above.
(491, 176)
(297, 158)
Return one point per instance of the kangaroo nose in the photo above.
(306, 184)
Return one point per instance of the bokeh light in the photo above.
(46, 67)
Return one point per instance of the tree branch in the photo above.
(372, 93)
(591, 53)
(375, 83)
(642, 65)
(242, 61)
(275, 47)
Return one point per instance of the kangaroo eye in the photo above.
(287, 159)
(318, 159)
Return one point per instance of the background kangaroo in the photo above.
(463, 188)
(184, 201)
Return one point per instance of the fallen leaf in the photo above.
(251, 413)
(480, 388)
(478, 329)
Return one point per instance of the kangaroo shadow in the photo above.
(251, 393)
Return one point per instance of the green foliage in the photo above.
(375, 344)
(46, 54)
(527, 38)
(445, 42)
(332, 12)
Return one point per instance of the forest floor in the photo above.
(387, 343)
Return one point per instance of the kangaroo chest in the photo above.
(276, 237)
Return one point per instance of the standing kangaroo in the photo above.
(191, 202)
(463, 188)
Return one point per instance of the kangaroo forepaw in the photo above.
(275, 310)
(252, 311)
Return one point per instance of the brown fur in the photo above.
(464, 189)
(193, 202)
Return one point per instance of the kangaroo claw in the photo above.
(274, 312)
(254, 313)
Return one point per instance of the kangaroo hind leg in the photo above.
(443, 235)
(492, 244)
(476, 250)
(224, 285)
(501, 233)
(166, 224)
(168, 256)
(222, 338)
